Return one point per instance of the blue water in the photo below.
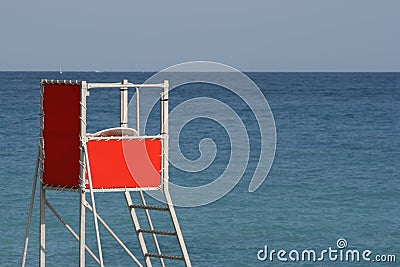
(335, 174)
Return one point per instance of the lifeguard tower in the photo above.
(112, 160)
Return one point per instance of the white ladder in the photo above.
(184, 256)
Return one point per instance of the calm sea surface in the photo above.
(335, 174)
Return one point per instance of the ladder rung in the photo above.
(146, 207)
(165, 256)
(159, 232)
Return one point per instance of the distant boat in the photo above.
(60, 69)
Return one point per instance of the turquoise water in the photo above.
(335, 174)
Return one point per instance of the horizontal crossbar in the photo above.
(125, 85)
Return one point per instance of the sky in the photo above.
(264, 35)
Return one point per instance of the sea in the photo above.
(333, 187)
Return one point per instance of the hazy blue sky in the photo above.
(280, 35)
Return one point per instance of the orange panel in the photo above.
(120, 164)
(61, 104)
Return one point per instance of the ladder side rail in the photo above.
(136, 224)
(165, 177)
(157, 245)
(177, 228)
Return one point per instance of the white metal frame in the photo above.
(123, 86)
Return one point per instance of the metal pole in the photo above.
(164, 132)
(96, 224)
(82, 210)
(124, 105)
(42, 227)
(82, 229)
(137, 111)
(28, 226)
(42, 223)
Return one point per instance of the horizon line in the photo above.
(248, 71)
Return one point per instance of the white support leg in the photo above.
(96, 224)
(82, 229)
(28, 225)
(82, 177)
(42, 229)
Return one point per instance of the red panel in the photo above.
(61, 103)
(120, 164)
